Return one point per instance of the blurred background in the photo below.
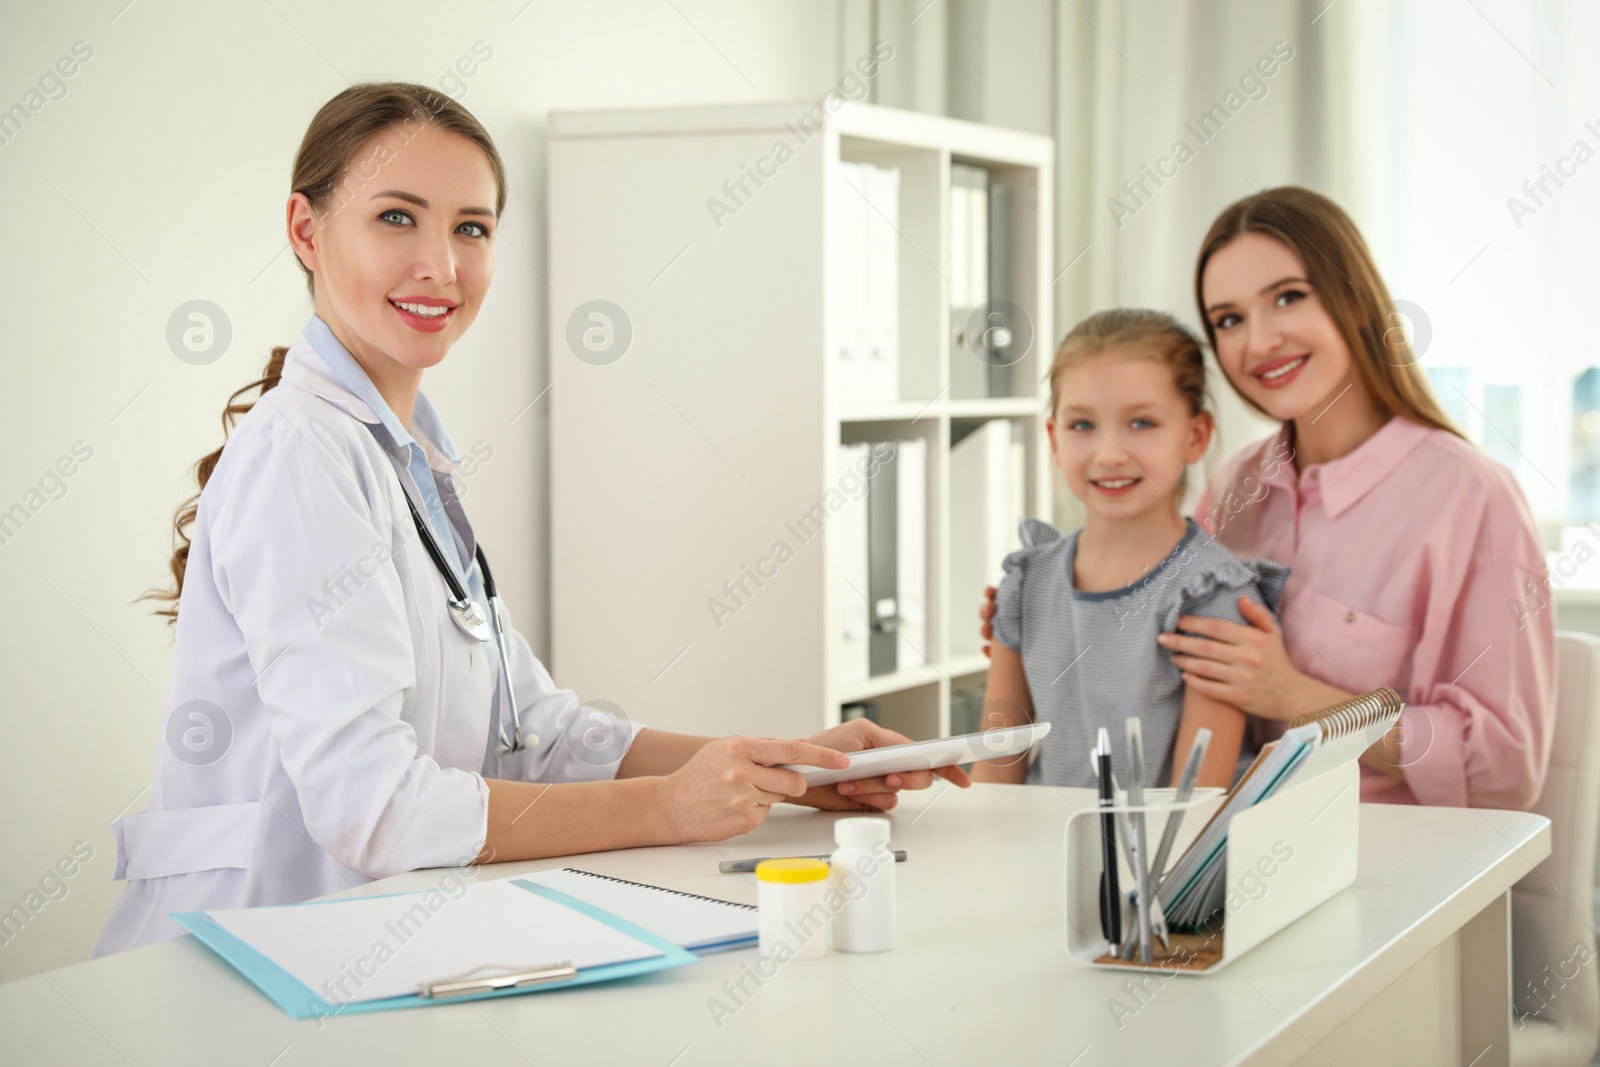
(1460, 134)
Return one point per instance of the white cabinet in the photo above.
(701, 512)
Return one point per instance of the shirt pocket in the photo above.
(1343, 646)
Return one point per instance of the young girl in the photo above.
(1076, 617)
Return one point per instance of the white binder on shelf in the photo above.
(882, 232)
(848, 271)
(985, 503)
(848, 530)
(1283, 855)
(1017, 486)
(866, 279)
(969, 275)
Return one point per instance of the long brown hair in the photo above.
(323, 172)
(1340, 269)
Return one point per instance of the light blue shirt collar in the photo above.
(455, 543)
(351, 375)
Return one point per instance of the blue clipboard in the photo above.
(300, 1002)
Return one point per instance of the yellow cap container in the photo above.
(792, 916)
(792, 871)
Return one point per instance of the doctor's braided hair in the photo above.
(328, 172)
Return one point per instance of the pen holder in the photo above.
(1284, 856)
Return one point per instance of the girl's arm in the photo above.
(1006, 703)
(1226, 724)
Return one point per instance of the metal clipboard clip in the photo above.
(464, 984)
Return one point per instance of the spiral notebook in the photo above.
(702, 925)
(1193, 892)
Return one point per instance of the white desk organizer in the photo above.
(1285, 856)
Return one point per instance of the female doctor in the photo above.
(339, 708)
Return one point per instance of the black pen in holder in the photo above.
(1110, 892)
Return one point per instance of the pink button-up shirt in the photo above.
(1416, 566)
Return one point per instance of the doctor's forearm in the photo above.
(659, 752)
(533, 820)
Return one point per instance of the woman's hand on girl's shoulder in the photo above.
(985, 614)
(1245, 666)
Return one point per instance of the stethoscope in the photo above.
(470, 619)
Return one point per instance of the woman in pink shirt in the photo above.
(1415, 561)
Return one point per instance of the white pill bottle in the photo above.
(862, 872)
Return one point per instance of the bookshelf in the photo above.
(683, 590)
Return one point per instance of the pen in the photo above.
(1110, 892)
(1125, 950)
(1141, 873)
(1191, 774)
(749, 866)
(1158, 925)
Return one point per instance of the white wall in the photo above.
(160, 177)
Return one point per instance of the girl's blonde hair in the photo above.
(1144, 333)
(323, 172)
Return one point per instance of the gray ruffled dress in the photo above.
(1091, 659)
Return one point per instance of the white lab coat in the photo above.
(360, 715)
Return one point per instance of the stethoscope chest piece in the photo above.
(470, 619)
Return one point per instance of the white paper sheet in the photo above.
(348, 951)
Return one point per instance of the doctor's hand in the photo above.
(728, 786)
(870, 794)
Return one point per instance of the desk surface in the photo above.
(980, 973)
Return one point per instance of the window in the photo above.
(1492, 238)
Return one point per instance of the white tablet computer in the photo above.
(928, 755)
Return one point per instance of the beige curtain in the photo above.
(1166, 112)
(1163, 111)
(1418, 117)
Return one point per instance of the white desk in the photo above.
(980, 974)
